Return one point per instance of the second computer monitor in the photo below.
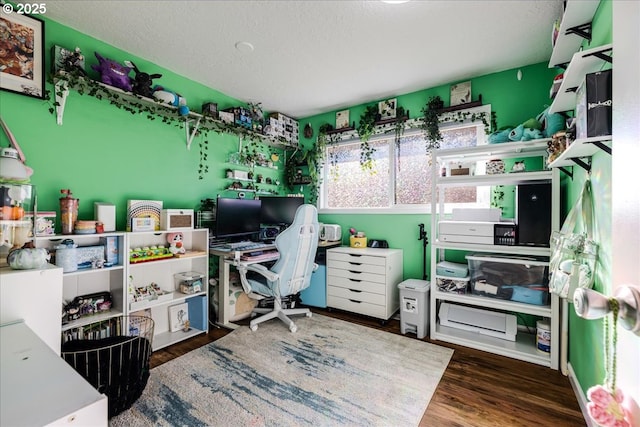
(279, 210)
(237, 218)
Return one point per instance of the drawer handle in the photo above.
(355, 272)
(355, 280)
(355, 290)
(357, 302)
(355, 263)
(356, 255)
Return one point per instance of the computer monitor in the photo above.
(279, 210)
(236, 218)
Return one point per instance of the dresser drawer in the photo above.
(351, 266)
(356, 275)
(355, 306)
(359, 285)
(356, 295)
(356, 258)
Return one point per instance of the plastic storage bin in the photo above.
(189, 282)
(519, 279)
(453, 284)
(414, 307)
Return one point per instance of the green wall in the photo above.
(106, 154)
(513, 101)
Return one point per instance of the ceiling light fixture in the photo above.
(244, 47)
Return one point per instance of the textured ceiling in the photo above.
(311, 57)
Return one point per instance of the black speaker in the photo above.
(533, 214)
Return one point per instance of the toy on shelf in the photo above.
(544, 125)
(142, 82)
(113, 73)
(175, 243)
(164, 96)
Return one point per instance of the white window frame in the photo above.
(409, 208)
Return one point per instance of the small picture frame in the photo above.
(460, 93)
(387, 109)
(22, 69)
(67, 60)
(179, 317)
(342, 119)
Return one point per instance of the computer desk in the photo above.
(225, 260)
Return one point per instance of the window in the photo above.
(400, 180)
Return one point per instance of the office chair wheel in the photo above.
(253, 328)
(308, 314)
(293, 328)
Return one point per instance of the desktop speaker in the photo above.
(533, 214)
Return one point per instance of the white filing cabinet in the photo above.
(39, 388)
(364, 280)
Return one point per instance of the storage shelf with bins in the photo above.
(162, 272)
(524, 347)
(92, 280)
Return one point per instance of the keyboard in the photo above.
(242, 246)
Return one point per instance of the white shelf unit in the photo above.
(577, 15)
(524, 348)
(580, 148)
(161, 272)
(91, 280)
(582, 63)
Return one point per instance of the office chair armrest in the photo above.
(258, 268)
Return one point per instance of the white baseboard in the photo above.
(582, 398)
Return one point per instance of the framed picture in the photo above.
(342, 119)
(178, 317)
(387, 109)
(22, 65)
(460, 93)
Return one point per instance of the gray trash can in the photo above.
(414, 307)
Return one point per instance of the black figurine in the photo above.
(142, 82)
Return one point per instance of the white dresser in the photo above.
(364, 280)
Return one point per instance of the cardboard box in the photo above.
(594, 105)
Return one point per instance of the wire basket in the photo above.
(113, 355)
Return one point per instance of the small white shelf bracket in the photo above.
(192, 133)
(62, 91)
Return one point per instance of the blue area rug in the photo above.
(329, 373)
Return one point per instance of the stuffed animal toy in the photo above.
(551, 123)
(142, 82)
(164, 96)
(113, 73)
(175, 243)
(521, 133)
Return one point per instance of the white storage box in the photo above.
(452, 269)
(453, 284)
(176, 219)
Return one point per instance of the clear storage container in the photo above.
(519, 279)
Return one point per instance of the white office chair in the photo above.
(297, 246)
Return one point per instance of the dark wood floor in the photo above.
(478, 389)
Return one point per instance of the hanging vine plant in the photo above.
(151, 109)
(431, 122)
(366, 128)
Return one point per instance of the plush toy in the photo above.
(142, 82)
(113, 73)
(175, 243)
(551, 123)
(521, 133)
(164, 96)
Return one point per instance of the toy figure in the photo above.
(142, 81)
(113, 73)
(175, 243)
